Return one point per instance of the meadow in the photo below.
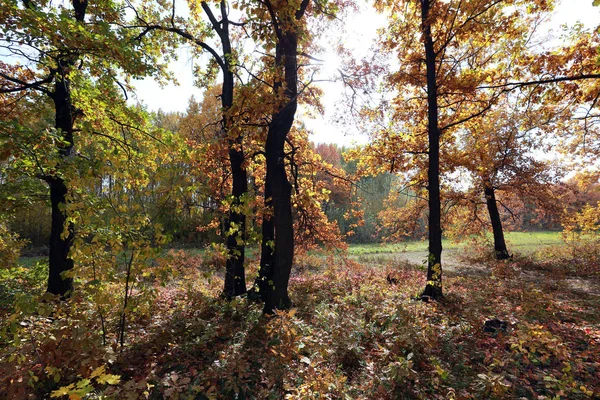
(523, 242)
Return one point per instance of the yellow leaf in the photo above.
(98, 371)
(108, 379)
(62, 391)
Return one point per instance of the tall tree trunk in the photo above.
(235, 225)
(278, 275)
(286, 49)
(499, 243)
(59, 262)
(433, 288)
(61, 234)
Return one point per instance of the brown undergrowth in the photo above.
(351, 334)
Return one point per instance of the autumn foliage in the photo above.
(219, 252)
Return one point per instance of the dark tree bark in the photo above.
(235, 276)
(433, 288)
(59, 261)
(286, 48)
(235, 225)
(278, 275)
(266, 246)
(61, 234)
(499, 243)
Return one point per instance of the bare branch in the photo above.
(37, 85)
(514, 85)
(184, 34)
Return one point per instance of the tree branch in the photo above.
(216, 25)
(186, 35)
(470, 117)
(25, 85)
(514, 85)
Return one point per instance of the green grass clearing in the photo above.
(519, 241)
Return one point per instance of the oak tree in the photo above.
(51, 48)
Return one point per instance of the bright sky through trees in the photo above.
(359, 31)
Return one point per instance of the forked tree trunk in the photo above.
(500, 249)
(433, 288)
(277, 277)
(286, 49)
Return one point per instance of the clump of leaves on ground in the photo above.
(353, 333)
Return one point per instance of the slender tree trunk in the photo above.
(235, 225)
(499, 243)
(123, 317)
(433, 288)
(235, 276)
(234, 230)
(267, 243)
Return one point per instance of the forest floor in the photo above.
(469, 258)
(351, 334)
(457, 263)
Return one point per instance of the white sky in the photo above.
(359, 32)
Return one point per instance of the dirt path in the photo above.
(451, 259)
(455, 265)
